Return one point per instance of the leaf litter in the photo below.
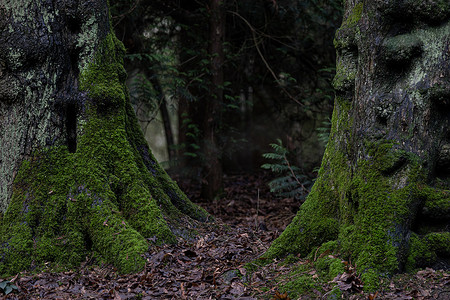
(211, 266)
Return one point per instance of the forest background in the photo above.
(214, 83)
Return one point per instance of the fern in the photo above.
(290, 181)
(323, 132)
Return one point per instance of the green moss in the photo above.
(366, 204)
(290, 259)
(346, 34)
(325, 248)
(345, 76)
(299, 283)
(420, 253)
(372, 279)
(303, 278)
(325, 261)
(439, 242)
(107, 197)
(329, 267)
(104, 78)
(317, 220)
(355, 15)
(425, 250)
(336, 267)
(437, 202)
(377, 241)
(291, 241)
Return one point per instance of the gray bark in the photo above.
(43, 45)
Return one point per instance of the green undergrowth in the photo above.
(298, 282)
(306, 277)
(315, 273)
(108, 196)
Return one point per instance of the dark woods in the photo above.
(230, 77)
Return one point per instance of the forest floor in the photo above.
(218, 264)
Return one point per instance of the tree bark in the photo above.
(76, 175)
(212, 166)
(382, 195)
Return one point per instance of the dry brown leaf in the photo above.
(279, 296)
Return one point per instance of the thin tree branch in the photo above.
(120, 17)
(252, 29)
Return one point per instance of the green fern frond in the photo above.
(291, 182)
(276, 168)
(281, 181)
(274, 156)
(323, 132)
(295, 193)
(279, 148)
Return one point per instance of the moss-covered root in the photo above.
(425, 250)
(117, 240)
(51, 218)
(303, 234)
(437, 203)
(176, 201)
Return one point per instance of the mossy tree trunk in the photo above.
(76, 175)
(382, 194)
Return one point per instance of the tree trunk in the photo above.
(382, 195)
(76, 175)
(164, 112)
(212, 166)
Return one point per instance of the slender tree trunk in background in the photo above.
(76, 175)
(164, 113)
(382, 196)
(167, 129)
(182, 130)
(189, 112)
(212, 166)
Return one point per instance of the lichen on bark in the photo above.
(94, 187)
